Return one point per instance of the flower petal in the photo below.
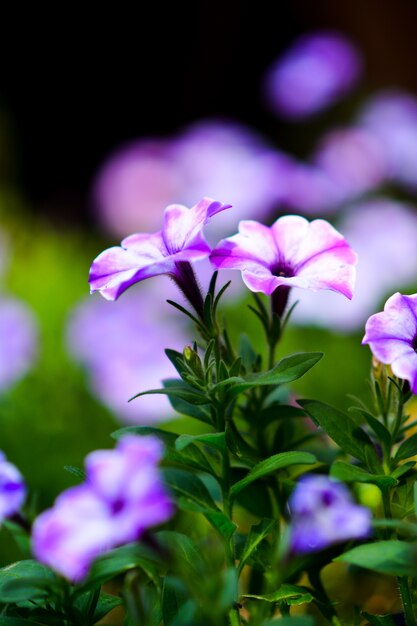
(398, 321)
(182, 226)
(253, 247)
(117, 268)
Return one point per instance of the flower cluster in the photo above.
(323, 513)
(122, 496)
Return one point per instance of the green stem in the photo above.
(324, 603)
(405, 594)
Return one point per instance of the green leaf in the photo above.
(351, 473)
(256, 534)
(287, 370)
(397, 558)
(379, 429)
(183, 549)
(224, 526)
(407, 448)
(402, 469)
(191, 457)
(176, 359)
(179, 390)
(105, 604)
(5, 620)
(24, 580)
(247, 353)
(119, 561)
(290, 594)
(174, 596)
(273, 464)
(200, 412)
(277, 412)
(189, 486)
(214, 440)
(341, 428)
(379, 620)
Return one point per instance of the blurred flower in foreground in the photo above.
(216, 158)
(318, 69)
(353, 159)
(392, 336)
(291, 253)
(392, 117)
(122, 497)
(122, 347)
(18, 341)
(374, 229)
(12, 489)
(323, 513)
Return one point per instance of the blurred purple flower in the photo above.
(392, 336)
(228, 160)
(18, 341)
(323, 514)
(122, 347)
(318, 69)
(122, 497)
(134, 183)
(220, 158)
(169, 251)
(291, 253)
(309, 189)
(392, 118)
(12, 489)
(373, 229)
(353, 159)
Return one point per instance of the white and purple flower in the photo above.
(323, 513)
(291, 253)
(392, 336)
(169, 251)
(122, 497)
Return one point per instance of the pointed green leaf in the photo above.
(397, 558)
(105, 604)
(407, 448)
(273, 464)
(296, 620)
(183, 549)
(351, 473)
(256, 534)
(287, 370)
(290, 594)
(340, 427)
(379, 620)
(279, 411)
(174, 596)
(24, 580)
(177, 389)
(189, 486)
(403, 469)
(214, 440)
(379, 429)
(78, 472)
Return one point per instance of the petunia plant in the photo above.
(238, 522)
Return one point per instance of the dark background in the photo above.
(76, 85)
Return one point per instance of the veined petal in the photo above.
(405, 367)
(182, 225)
(117, 268)
(330, 270)
(397, 321)
(253, 246)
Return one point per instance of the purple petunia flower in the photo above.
(291, 253)
(323, 513)
(122, 496)
(392, 336)
(317, 70)
(168, 251)
(12, 489)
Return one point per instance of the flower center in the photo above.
(414, 343)
(282, 269)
